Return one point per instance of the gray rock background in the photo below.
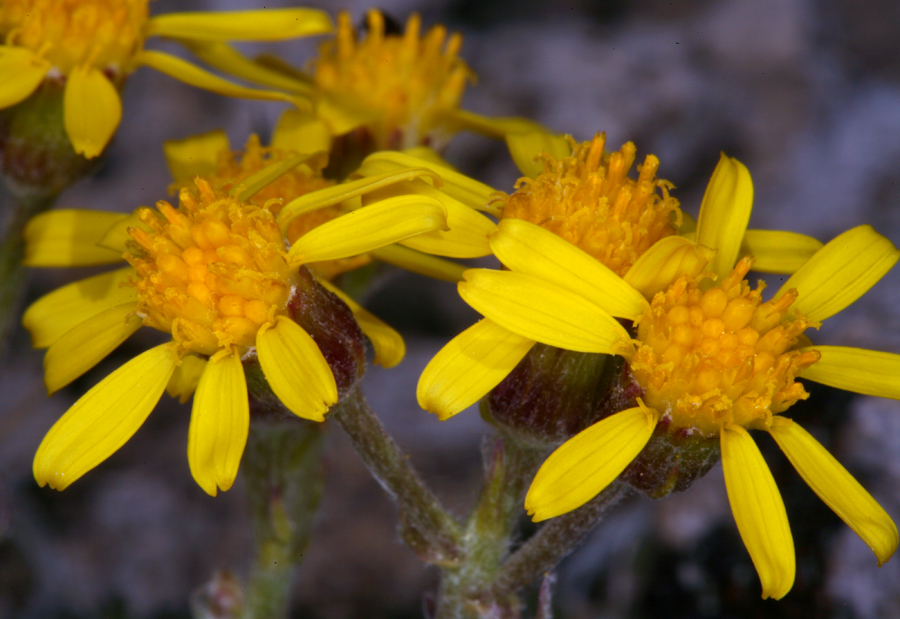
(805, 93)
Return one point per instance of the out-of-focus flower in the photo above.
(89, 47)
(218, 274)
(400, 90)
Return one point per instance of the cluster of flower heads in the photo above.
(596, 261)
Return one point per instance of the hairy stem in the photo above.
(283, 469)
(556, 539)
(428, 528)
(18, 211)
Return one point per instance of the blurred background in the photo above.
(806, 93)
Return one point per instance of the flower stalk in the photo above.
(466, 590)
(426, 527)
(555, 540)
(282, 468)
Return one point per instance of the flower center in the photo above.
(589, 200)
(210, 272)
(403, 82)
(235, 166)
(101, 33)
(706, 358)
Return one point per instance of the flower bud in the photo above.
(553, 394)
(36, 154)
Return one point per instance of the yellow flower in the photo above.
(89, 47)
(597, 217)
(711, 358)
(405, 88)
(216, 273)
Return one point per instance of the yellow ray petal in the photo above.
(525, 148)
(117, 237)
(524, 247)
(301, 132)
(468, 232)
(197, 155)
(69, 237)
(758, 511)
(423, 264)
(668, 259)
(92, 110)
(428, 154)
(357, 232)
(777, 251)
(186, 377)
(257, 181)
(52, 315)
(541, 311)
(856, 369)
(344, 191)
(456, 185)
(688, 227)
(470, 365)
(841, 272)
(343, 113)
(195, 76)
(588, 462)
(724, 213)
(837, 488)
(87, 343)
(103, 419)
(296, 370)
(224, 57)
(22, 72)
(262, 25)
(388, 344)
(495, 127)
(220, 422)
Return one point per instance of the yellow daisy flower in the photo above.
(404, 88)
(218, 274)
(712, 360)
(585, 201)
(87, 48)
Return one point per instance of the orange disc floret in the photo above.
(69, 33)
(589, 200)
(706, 356)
(406, 80)
(210, 272)
(235, 166)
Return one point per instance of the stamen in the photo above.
(589, 200)
(707, 357)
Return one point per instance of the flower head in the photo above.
(588, 199)
(401, 86)
(711, 360)
(218, 275)
(374, 89)
(706, 358)
(87, 48)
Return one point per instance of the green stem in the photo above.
(556, 539)
(12, 249)
(282, 466)
(425, 525)
(465, 591)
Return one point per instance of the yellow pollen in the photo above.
(706, 358)
(235, 166)
(104, 34)
(211, 272)
(406, 83)
(589, 200)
